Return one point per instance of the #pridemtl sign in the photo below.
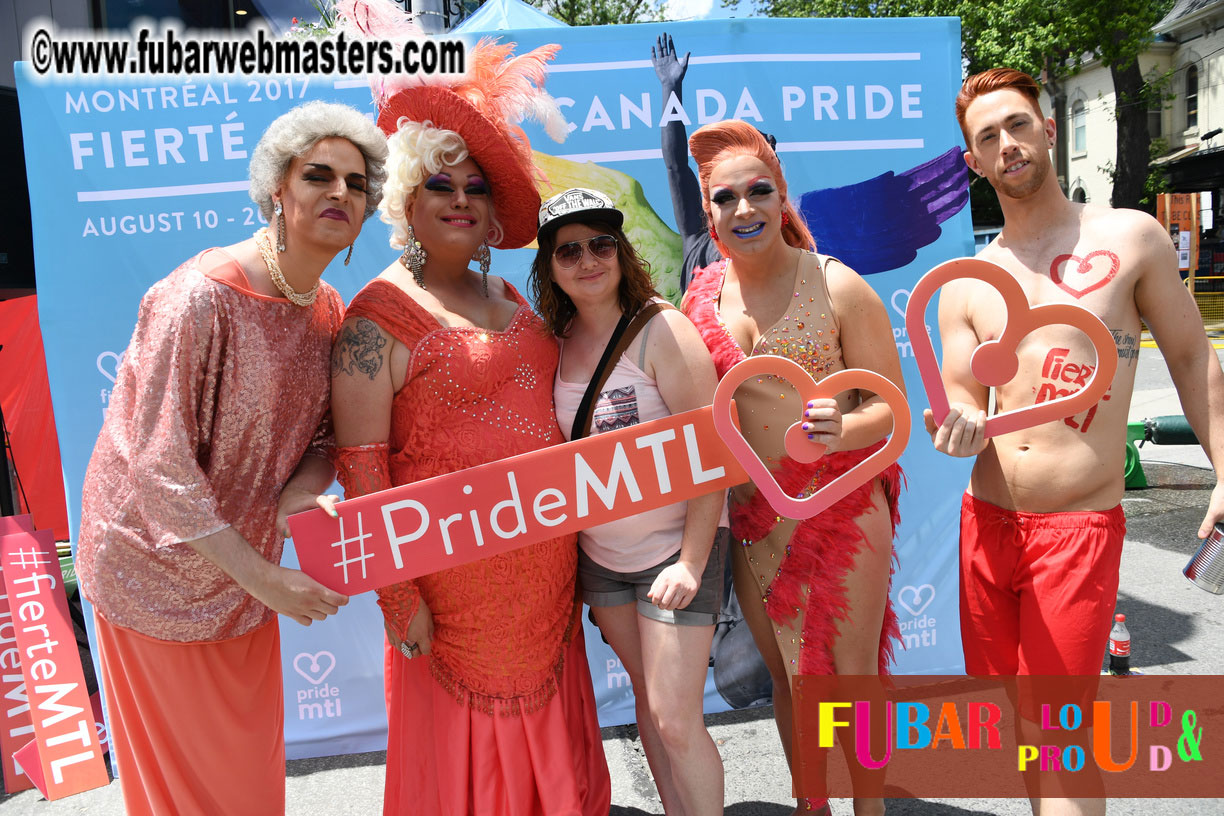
(449, 520)
(460, 517)
(454, 519)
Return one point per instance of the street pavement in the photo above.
(1176, 628)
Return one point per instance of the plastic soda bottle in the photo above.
(1119, 647)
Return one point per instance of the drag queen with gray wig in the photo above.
(217, 431)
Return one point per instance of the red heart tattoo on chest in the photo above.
(1092, 271)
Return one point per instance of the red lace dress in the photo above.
(799, 567)
(500, 718)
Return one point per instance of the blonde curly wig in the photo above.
(417, 151)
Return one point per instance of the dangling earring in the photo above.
(280, 227)
(349, 256)
(713, 234)
(414, 257)
(785, 218)
(484, 258)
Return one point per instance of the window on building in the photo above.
(1156, 117)
(1191, 97)
(1079, 127)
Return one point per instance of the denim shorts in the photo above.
(604, 587)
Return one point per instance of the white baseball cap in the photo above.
(578, 204)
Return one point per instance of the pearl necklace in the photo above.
(264, 242)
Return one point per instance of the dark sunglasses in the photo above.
(602, 247)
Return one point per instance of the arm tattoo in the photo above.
(358, 350)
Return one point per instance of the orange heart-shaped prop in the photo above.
(797, 445)
(995, 362)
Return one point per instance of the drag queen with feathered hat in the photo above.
(439, 367)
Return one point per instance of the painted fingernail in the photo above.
(807, 426)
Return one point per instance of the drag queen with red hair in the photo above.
(814, 592)
(440, 367)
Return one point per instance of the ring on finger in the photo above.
(409, 650)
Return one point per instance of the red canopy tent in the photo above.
(25, 398)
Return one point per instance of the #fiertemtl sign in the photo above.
(69, 755)
(16, 728)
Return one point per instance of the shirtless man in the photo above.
(1042, 524)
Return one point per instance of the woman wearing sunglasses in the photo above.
(653, 581)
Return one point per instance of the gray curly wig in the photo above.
(294, 133)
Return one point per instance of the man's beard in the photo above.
(1023, 189)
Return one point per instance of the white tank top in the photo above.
(629, 397)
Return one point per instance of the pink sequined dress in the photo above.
(798, 567)
(500, 718)
(220, 394)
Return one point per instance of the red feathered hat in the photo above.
(480, 107)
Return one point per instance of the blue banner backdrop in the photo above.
(130, 177)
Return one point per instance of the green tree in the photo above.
(602, 12)
(1050, 39)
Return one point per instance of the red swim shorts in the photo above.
(1037, 590)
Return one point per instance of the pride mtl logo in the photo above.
(919, 630)
(320, 700)
(905, 347)
(617, 679)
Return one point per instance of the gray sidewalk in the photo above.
(1176, 629)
